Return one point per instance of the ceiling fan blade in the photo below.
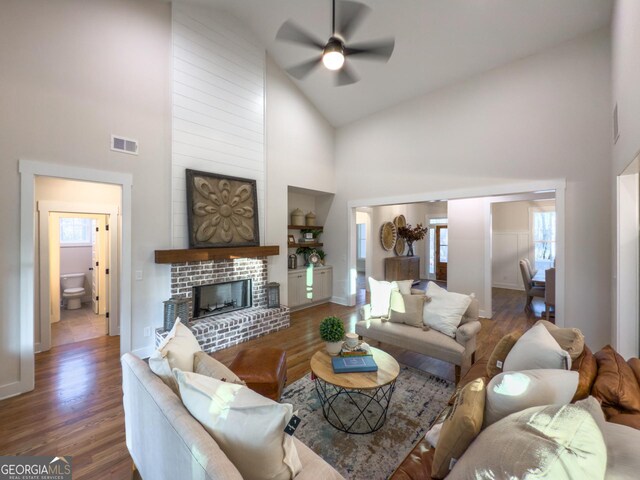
(346, 76)
(290, 32)
(349, 16)
(305, 68)
(379, 50)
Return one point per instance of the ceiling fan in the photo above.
(335, 50)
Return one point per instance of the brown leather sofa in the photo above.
(605, 375)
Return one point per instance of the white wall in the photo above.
(300, 152)
(73, 73)
(466, 266)
(414, 214)
(544, 117)
(218, 105)
(625, 78)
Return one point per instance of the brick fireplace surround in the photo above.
(227, 329)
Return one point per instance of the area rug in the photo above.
(417, 400)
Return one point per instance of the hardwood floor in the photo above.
(76, 408)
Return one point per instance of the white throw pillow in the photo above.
(445, 309)
(622, 451)
(380, 297)
(511, 392)
(553, 442)
(536, 349)
(404, 286)
(175, 351)
(248, 427)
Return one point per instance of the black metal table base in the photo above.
(356, 411)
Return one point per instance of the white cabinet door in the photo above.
(322, 284)
(309, 286)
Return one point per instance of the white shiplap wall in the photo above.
(218, 93)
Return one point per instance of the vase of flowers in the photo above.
(332, 332)
(411, 235)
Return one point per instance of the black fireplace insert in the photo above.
(218, 298)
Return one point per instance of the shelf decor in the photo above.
(222, 211)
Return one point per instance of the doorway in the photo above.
(79, 267)
(626, 332)
(363, 251)
(442, 252)
(78, 252)
(29, 172)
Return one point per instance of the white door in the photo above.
(95, 265)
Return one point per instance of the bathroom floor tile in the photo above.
(78, 325)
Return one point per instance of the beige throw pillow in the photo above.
(210, 367)
(495, 364)
(460, 428)
(570, 340)
(175, 351)
(406, 309)
(248, 427)
(553, 442)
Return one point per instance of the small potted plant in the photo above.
(332, 333)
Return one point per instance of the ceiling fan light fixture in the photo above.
(333, 55)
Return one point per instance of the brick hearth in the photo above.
(224, 330)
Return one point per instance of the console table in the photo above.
(401, 268)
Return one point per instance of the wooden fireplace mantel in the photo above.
(223, 253)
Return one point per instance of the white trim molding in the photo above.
(28, 171)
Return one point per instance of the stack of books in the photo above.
(351, 364)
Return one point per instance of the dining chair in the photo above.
(530, 289)
(550, 292)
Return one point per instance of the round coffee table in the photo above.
(355, 402)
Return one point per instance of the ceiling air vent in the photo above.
(124, 145)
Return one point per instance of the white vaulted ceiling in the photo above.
(438, 42)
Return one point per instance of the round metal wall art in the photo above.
(388, 235)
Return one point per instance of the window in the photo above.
(76, 231)
(544, 237)
(362, 240)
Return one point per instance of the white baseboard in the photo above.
(340, 301)
(12, 389)
(484, 314)
(508, 286)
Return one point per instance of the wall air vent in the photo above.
(124, 145)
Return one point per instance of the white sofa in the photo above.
(166, 442)
(426, 342)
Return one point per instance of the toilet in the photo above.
(72, 289)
